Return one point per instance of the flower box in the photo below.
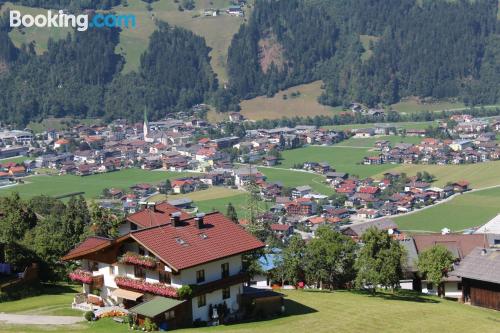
(82, 276)
(160, 289)
(137, 259)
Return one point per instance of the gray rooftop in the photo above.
(480, 264)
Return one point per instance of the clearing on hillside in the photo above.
(300, 101)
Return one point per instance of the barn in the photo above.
(480, 274)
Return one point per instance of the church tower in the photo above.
(145, 129)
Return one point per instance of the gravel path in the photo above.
(9, 318)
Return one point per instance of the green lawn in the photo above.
(55, 301)
(462, 212)
(405, 125)
(292, 178)
(412, 106)
(341, 311)
(370, 142)
(91, 185)
(239, 202)
(479, 175)
(340, 158)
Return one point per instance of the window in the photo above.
(226, 293)
(141, 251)
(139, 272)
(165, 277)
(200, 276)
(202, 301)
(225, 270)
(459, 286)
(133, 226)
(430, 286)
(93, 266)
(170, 315)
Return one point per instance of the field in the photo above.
(463, 212)
(60, 124)
(405, 125)
(341, 311)
(291, 178)
(370, 142)
(412, 106)
(479, 175)
(276, 107)
(220, 204)
(18, 159)
(342, 159)
(91, 185)
(216, 192)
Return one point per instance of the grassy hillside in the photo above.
(217, 31)
(463, 212)
(39, 36)
(306, 104)
(479, 175)
(341, 311)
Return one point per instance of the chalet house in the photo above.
(357, 230)
(459, 245)
(301, 191)
(480, 276)
(145, 269)
(301, 206)
(183, 186)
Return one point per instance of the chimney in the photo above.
(175, 219)
(198, 220)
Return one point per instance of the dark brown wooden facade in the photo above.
(481, 293)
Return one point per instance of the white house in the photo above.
(155, 263)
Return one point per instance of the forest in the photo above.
(437, 48)
(432, 48)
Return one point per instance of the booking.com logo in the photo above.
(81, 22)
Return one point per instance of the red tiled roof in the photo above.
(280, 227)
(369, 189)
(153, 217)
(89, 244)
(219, 238)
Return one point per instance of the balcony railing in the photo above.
(160, 289)
(139, 260)
(84, 276)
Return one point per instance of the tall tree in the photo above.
(380, 261)
(330, 258)
(435, 263)
(231, 213)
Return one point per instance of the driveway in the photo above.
(9, 318)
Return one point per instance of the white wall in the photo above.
(212, 271)
(215, 298)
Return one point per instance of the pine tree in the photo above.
(231, 213)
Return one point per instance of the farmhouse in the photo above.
(148, 270)
(480, 274)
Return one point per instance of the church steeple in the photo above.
(146, 124)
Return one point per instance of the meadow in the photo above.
(276, 107)
(405, 125)
(92, 185)
(342, 159)
(370, 142)
(292, 178)
(462, 212)
(310, 311)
